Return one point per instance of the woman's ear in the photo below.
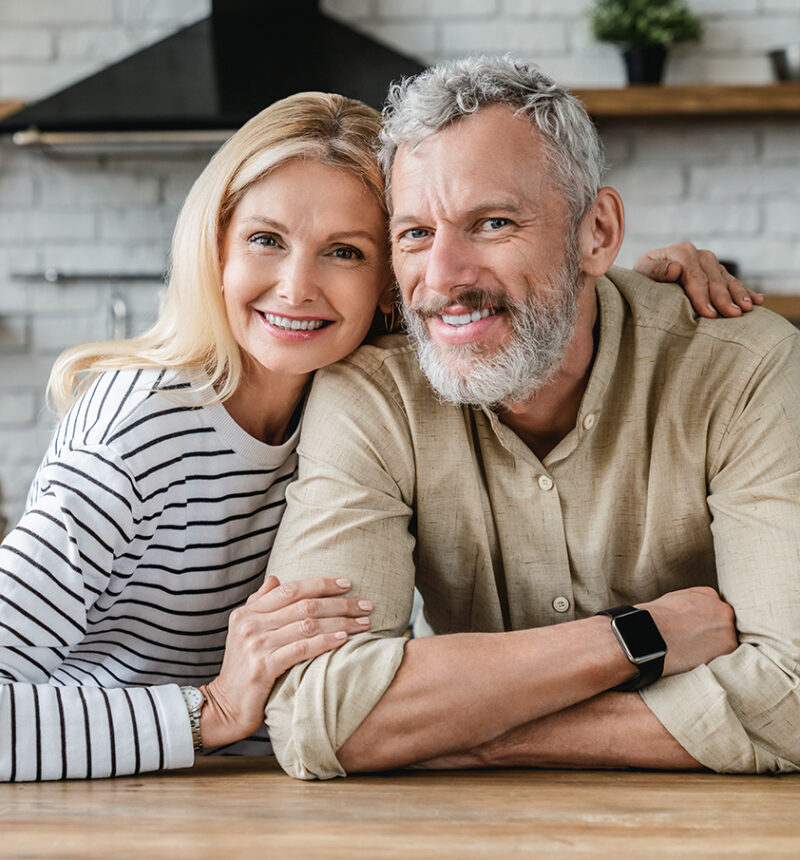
(601, 232)
(388, 298)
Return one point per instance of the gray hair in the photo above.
(419, 106)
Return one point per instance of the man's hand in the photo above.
(696, 625)
(708, 285)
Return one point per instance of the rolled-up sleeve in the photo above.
(348, 514)
(741, 712)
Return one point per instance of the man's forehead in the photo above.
(491, 154)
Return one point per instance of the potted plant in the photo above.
(644, 29)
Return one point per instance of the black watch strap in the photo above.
(645, 649)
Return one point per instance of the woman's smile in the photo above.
(293, 328)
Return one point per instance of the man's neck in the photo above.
(544, 420)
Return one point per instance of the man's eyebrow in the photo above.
(485, 207)
(396, 220)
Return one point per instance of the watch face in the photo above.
(639, 636)
(193, 697)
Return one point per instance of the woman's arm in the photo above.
(68, 718)
(53, 566)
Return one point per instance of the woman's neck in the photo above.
(265, 404)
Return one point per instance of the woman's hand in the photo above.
(278, 627)
(708, 285)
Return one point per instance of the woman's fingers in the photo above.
(299, 650)
(709, 286)
(314, 608)
(310, 628)
(284, 594)
(313, 598)
(269, 584)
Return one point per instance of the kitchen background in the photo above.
(730, 184)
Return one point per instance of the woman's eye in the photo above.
(266, 240)
(347, 253)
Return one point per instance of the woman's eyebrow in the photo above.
(262, 221)
(353, 234)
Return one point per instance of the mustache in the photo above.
(470, 298)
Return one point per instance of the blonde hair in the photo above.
(192, 331)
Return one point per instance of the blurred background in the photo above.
(84, 231)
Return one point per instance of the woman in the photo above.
(149, 522)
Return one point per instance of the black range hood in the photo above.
(206, 80)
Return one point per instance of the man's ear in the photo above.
(601, 232)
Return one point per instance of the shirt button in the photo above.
(561, 604)
(545, 482)
(588, 421)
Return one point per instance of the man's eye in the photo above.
(415, 233)
(497, 223)
(348, 253)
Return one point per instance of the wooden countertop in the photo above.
(233, 807)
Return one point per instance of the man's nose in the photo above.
(298, 280)
(450, 263)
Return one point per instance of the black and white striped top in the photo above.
(148, 521)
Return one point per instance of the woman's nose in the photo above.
(298, 283)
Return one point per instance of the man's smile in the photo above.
(466, 317)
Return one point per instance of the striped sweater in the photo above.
(148, 521)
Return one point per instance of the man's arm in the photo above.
(517, 677)
(741, 713)
(615, 730)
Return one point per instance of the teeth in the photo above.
(465, 319)
(294, 325)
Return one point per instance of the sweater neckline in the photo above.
(246, 445)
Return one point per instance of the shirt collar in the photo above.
(611, 318)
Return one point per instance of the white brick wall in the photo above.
(733, 186)
(46, 45)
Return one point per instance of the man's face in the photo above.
(487, 271)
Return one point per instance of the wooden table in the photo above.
(230, 808)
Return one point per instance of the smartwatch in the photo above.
(642, 643)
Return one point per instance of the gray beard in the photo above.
(542, 329)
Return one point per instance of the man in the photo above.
(591, 445)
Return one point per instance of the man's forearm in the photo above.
(453, 693)
(459, 691)
(614, 730)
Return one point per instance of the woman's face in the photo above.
(304, 263)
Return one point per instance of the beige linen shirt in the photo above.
(683, 469)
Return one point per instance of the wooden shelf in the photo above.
(697, 101)
(786, 306)
(7, 107)
(664, 101)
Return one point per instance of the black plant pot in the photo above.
(645, 64)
